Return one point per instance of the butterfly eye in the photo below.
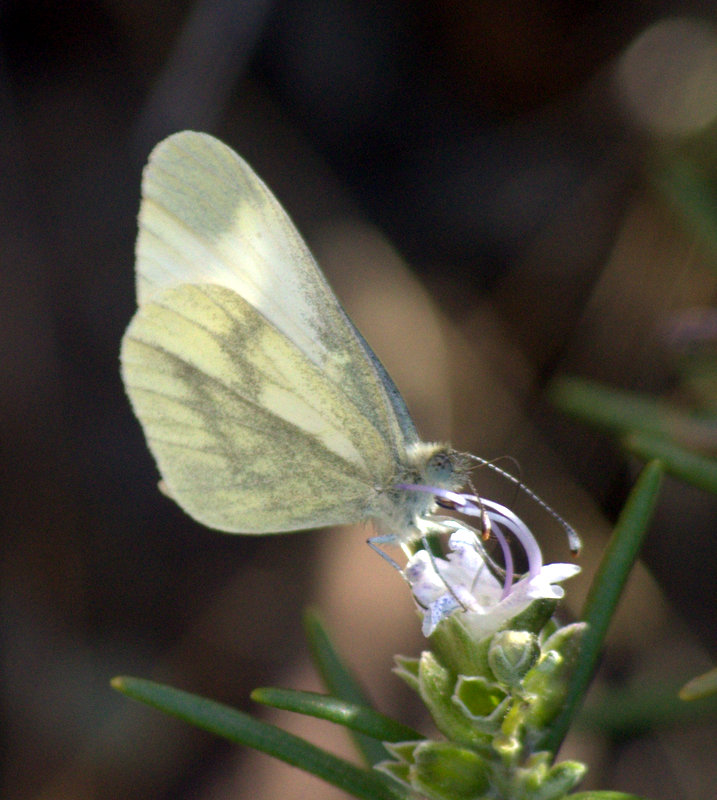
(440, 469)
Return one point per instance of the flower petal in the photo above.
(463, 584)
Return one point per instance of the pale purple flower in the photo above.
(462, 583)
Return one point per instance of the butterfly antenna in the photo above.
(574, 541)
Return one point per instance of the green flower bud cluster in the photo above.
(494, 701)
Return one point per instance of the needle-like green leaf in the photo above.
(694, 468)
(620, 412)
(243, 729)
(355, 717)
(618, 559)
(340, 682)
(605, 795)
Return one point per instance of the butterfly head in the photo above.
(443, 468)
(436, 464)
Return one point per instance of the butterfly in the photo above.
(262, 404)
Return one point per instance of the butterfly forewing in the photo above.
(207, 218)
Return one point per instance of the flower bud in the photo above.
(443, 771)
(549, 680)
(538, 780)
(437, 686)
(512, 654)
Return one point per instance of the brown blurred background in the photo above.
(503, 148)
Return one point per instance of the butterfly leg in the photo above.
(375, 542)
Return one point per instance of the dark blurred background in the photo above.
(477, 180)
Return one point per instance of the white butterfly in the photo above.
(264, 407)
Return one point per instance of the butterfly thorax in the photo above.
(397, 511)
